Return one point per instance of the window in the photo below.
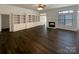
(61, 19)
(68, 19)
(65, 18)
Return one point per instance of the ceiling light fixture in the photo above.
(41, 6)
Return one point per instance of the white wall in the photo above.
(52, 15)
(16, 10)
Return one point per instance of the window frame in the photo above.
(64, 14)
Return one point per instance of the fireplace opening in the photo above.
(51, 24)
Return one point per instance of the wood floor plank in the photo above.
(39, 40)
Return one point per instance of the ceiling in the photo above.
(34, 6)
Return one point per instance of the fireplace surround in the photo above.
(51, 24)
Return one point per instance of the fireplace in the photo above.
(51, 24)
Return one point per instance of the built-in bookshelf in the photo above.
(22, 18)
(19, 19)
(29, 18)
(38, 18)
(33, 18)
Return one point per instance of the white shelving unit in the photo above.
(19, 19)
(16, 19)
(33, 18)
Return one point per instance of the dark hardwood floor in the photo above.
(39, 40)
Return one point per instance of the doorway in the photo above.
(43, 19)
(5, 22)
